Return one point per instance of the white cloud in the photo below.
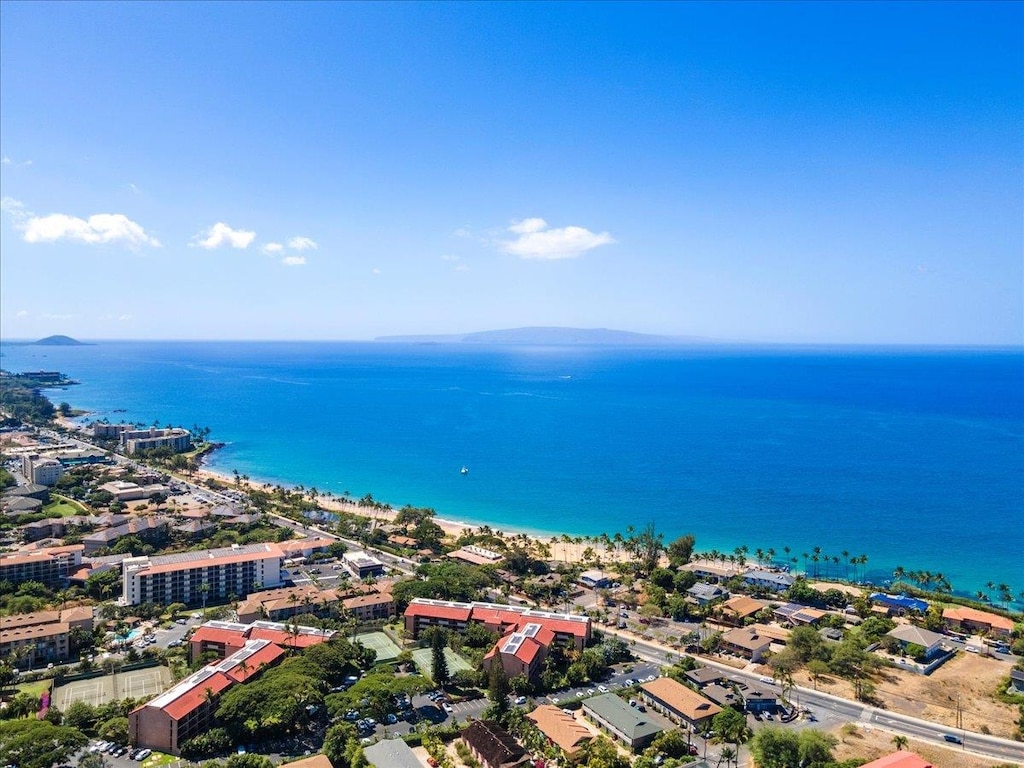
(97, 229)
(536, 241)
(463, 232)
(302, 244)
(462, 268)
(221, 234)
(124, 318)
(15, 209)
(293, 261)
(375, 271)
(449, 257)
(527, 225)
(273, 248)
(22, 313)
(23, 164)
(57, 317)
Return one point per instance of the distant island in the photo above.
(550, 336)
(51, 341)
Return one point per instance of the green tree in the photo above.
(34, 743)
(248, 761)
(114, 729)
(900, 741)
(497, 688)
(731, 726)
(776, 748)
(337, 741)
(681, 550)
(439, 664)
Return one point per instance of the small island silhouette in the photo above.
(59, 341)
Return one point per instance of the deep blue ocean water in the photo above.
(912, 457)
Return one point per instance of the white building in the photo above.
(213, 575)
(42, 470)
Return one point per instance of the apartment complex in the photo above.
(50, 565)
(207, 575)
(225, 638)
(186, 710)
(527, 634)
(42, 470)
(35, 639)
(566, 628)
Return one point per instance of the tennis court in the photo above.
(137, 684)
(381, 643)
(424, 660)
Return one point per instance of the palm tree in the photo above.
(727, 755)
(900, 742)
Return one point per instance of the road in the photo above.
(832, 708)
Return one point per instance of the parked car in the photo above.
(520, 700)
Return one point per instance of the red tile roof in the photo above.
(439, 611)
(224, 637)
(266, 655)
(189, 700)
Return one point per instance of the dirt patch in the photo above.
(873, 744)
(934, 697)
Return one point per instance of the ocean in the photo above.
(913, 457)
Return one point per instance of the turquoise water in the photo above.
(912, 457)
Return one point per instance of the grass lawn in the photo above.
(62, 507)
(37, 688)
(158, 759)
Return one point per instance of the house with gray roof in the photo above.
(704, 593)
(773, 580)
(628, 724)
(908, 634)
(391, 753)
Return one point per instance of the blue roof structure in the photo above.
(900, 602)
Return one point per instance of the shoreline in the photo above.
(876, 576)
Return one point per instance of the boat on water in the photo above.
(464, 471)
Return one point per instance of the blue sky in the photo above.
(767, 172)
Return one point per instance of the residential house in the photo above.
(493, 746)
(737, 610)
(561, 729)
(627, 724)
(773, 580)
(703, 593)
(972, 620)
(475, 555)
(724, 696)
(35, 639)
(388, 753)
(899, 604)
(908, 634)
(752, 642)
(680, 704)
(796, 615)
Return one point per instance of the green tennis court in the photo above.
(424, 660)
(382, 644)
(136, 684)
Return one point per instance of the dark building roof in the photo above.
(493, 743)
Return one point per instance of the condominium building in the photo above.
(224, 638)
(567, 628)
(135, 440)
(186, 710)
(42, 470)
(207, 575)
(527, 634)
(35, 639)
(50, 565)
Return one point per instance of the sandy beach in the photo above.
(568, 552)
